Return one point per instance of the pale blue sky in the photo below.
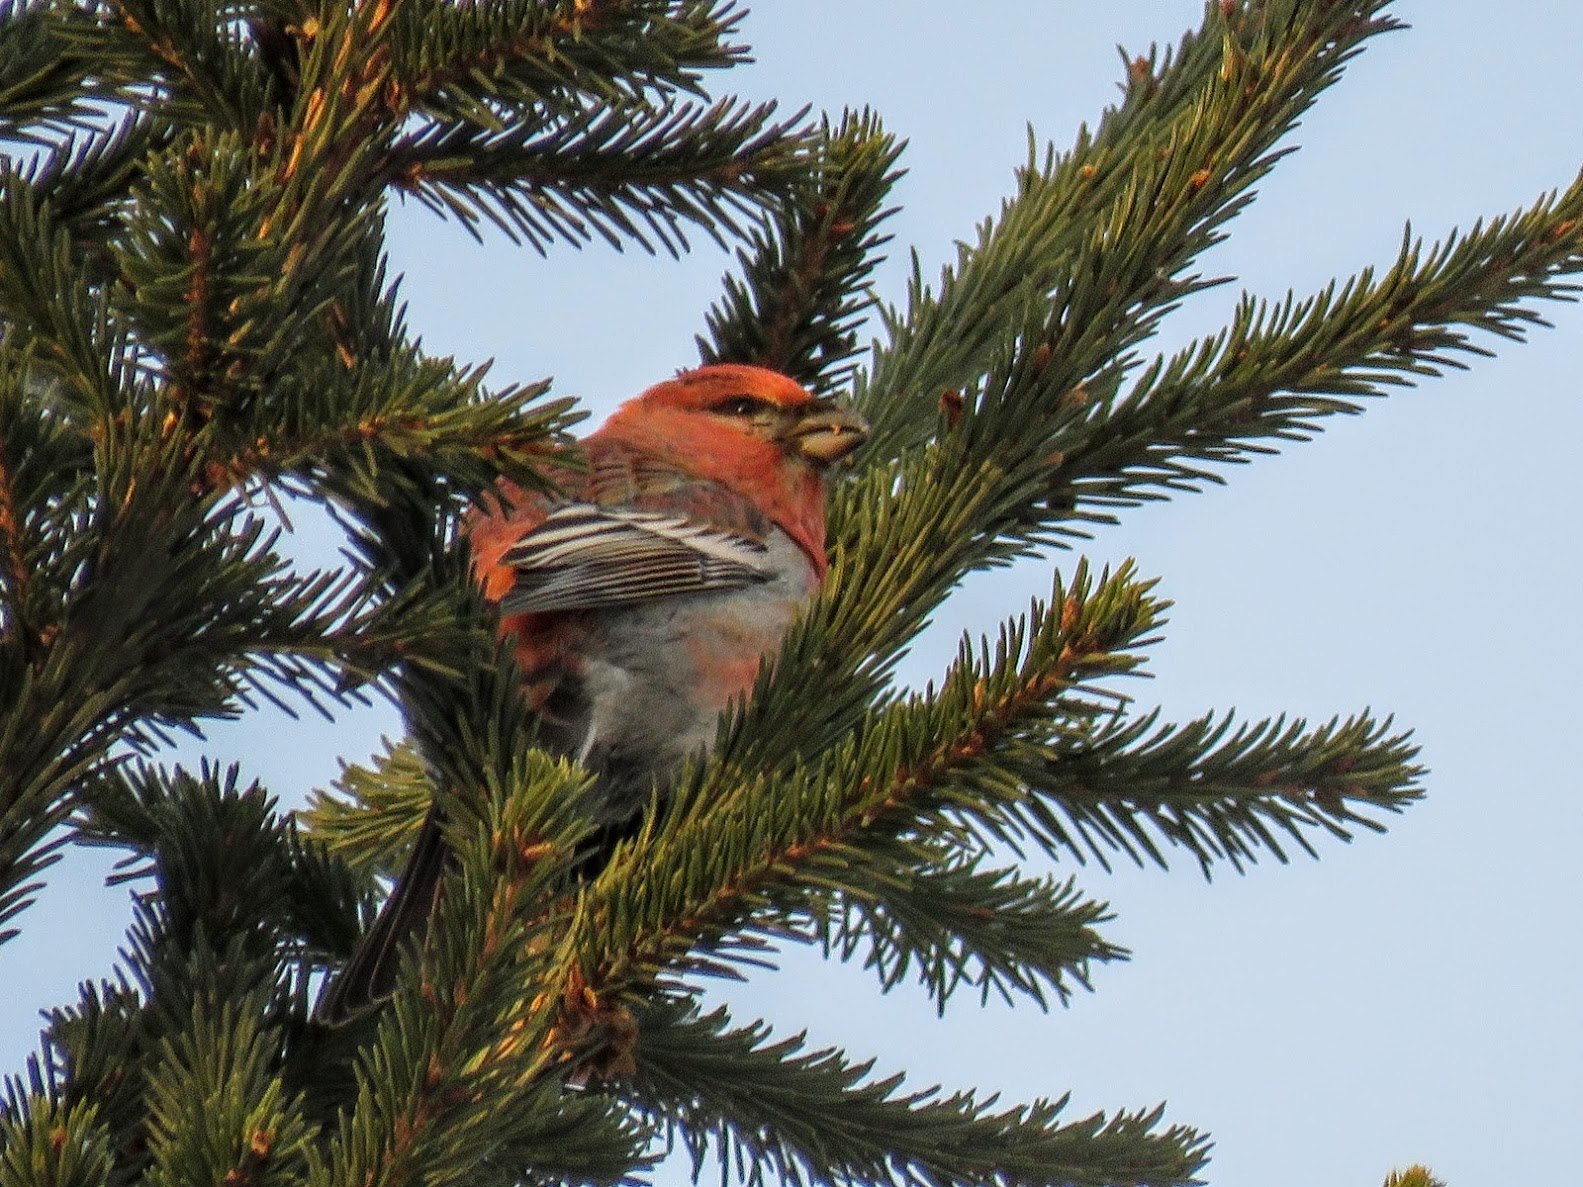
(1408, 997)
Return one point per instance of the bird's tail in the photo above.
(370, 975)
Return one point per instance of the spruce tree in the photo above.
(196, 321)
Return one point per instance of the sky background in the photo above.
(1411, 997)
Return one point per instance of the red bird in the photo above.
(642, 600)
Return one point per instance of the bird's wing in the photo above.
(583, 556)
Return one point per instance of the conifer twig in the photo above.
(813, 1116)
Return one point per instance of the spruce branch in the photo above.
(494, 64)
(196, 55)
(944, 920)
(52, 312)
(323, 157)
(223, 855)
(1096, 243)
(23, 856)
(219, 1111)
(217, 938)
(904, 535)
(446, 1088)
(146, 609)
(620, 174)
(772, 1108)
(231, 617)
(373, 812)
(64, 705)
(350, 430)
(1413, 1176)
(239, 286)
(215, 846)
(86, 178)
(732, 860)
(1222, 791)
(201, 283)
(93, 1060)
(1278, 370)
(805, 270)
(47, 1144)
(46, 746)
(121, 70)
(44, 470)
(945, 764)
(45, 86)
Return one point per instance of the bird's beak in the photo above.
(829, 433)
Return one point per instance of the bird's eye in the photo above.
(743, 406)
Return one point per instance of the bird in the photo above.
(639, 600)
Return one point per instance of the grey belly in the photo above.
(654, 688)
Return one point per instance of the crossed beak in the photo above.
(829, 433)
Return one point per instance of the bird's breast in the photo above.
(656, 676)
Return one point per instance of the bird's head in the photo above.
(751, 429)
(730, 412)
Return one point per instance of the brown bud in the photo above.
(535, 852)
(1071, 611)
(951, 406)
